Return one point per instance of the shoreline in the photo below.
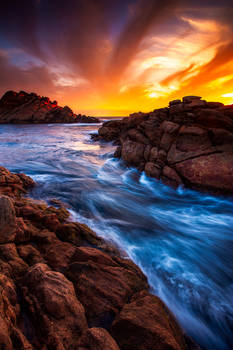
(42, 250)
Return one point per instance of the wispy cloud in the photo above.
(122, 55)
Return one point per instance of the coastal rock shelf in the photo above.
(23, 108)
(63, 287)
(188, 143)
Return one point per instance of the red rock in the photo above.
(58, 254)
(30, 254)
(14, 184)
(214, 118)
(13, 265)
(190, 130)
(146, 324)
(170, 177)
(153, 154)
(166, 141)
(97, 339)
(133, 152)
(83, 254)
(30, 108)
(58, 315)
(213, 172)
(169, 127)
(7, 220)
(221, 136)
(193, 101)
(137, 136)
(153, 170)
(174, 102)
(46, 312)
(10, 337)
(214, 104)
(104, 289)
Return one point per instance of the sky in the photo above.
(115, 57)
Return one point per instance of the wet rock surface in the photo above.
(62, 287)
(23, 108)
(189, 143)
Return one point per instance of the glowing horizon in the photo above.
(115, 59)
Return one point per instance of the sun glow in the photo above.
(139, 66)
(228, 95)
(152, 95)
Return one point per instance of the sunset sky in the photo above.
(113, 57)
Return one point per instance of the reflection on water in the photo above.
(181, 239)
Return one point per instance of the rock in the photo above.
(192, 138)
(176, 108)
(166, 141)
(153, 170)
(153, 154)
(30, 254)
(117, 153)
(137, 136)
(169, 127)
(160, 142)
(190, 99)
(104, 286)
(170, 177)
(214, 118)
(147, 153)
(14, 184)
(7, 220)
(174, 102)
(214, 105)
(10, 337)
(193, 101)
(133, 152)
(97, 339)
(109, 133)
(221, 136)
(11, 264)
(57, 314)
(211, 172)
(146, 324)
(55, 273)
(30, 108)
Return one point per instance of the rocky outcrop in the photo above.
(188, 143)
(22, 108)
(62, 287)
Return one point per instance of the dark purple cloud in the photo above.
(94, 39)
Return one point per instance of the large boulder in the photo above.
(58, 315)
(146, 324)
(133, 152)
(212, 172)
(103, 285)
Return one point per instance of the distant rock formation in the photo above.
(188, 143)
(63, 287)
(24, 108)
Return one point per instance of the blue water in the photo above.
(182, 240)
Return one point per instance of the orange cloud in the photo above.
(117, 58)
